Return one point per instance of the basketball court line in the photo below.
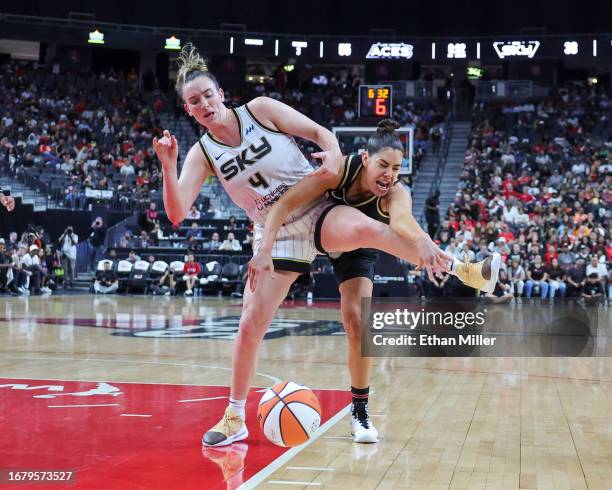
(288, 482)
(82, 406)
(134, 415)
(260, 477)
(274, 379)
(309, 468)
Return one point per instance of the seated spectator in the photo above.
(151, 215)
(193, 213)
(193, 232)
(166, 284)
(191, 270)
(598, 268)
(213, 244)
(537, 276)
(592, 291)
(143, 241)
(5, 265)
(576, 277)
(517, 277)
(556, 279)
(132, 257)
(106, 281)
(231, 224)
(503, 292)
(112, 255)
(231, 243)
(31, 263)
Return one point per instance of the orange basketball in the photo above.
(289, 414)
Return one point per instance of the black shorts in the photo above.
(356, 263)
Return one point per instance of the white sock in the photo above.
(238, 407)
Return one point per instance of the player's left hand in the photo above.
(433, 258)
(331, 163)
(261, 263)
(8, 202)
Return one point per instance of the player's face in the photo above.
(203, 100)
(382, 169)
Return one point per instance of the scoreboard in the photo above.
(376, 101)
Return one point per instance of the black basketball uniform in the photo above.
(360, 262)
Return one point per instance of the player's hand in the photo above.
(166, 149)
(331, 163)
(8, 202)
(433, 258)
(261, 263)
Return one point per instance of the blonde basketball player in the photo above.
(369, 184)
(251, 150)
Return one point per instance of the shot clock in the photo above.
(375, 101)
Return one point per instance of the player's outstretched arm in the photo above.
(304, 192)
(403, 223)
(290, 121)
(180, 193)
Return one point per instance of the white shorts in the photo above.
(294, 248)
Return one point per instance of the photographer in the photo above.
(97, 234)
(106, 281)
(166, 284)
(68, 243)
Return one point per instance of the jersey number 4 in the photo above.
(257, 180)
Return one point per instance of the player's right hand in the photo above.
(166, 149)
(261, 263)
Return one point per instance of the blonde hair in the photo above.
(190, 66)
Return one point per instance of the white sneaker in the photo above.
(362, 429)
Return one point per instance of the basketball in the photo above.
(289, 414)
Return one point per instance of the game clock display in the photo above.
(375, 101)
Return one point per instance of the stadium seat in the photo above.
(137, 280)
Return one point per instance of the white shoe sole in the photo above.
(489, 286)
(365, 439)
(238, 436)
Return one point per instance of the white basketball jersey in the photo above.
(259, 171)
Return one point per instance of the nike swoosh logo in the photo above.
(217, 158)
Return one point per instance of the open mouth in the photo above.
(209, 115)
(382, 185)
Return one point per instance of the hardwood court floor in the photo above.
(459, 423)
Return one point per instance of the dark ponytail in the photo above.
(385, 137)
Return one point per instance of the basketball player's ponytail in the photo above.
(191, 65)
(385, 137)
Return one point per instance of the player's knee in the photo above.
(253, 325)
(351, 320)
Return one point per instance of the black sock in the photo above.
(360, 395)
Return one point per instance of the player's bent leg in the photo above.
(258, 310)
(351, 293)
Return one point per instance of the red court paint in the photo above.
(111, 451)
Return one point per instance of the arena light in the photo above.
(390, 50)
(253, 42)
(289, 68)
(433, 51)
(276, 47)
(594, 47)
(321, 49)
(173, 43)
(96, 37)
(299, 45)
(592, 81)
(477, 51)
(232, 45)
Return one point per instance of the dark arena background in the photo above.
(111, 368)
